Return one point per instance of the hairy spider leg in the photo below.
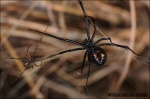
(63, 39)
(117, 45)
(84, 58)
(86, 19)
(58, 53)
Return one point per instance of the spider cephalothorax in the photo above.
(88, 44)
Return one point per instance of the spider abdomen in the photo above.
(97, 56)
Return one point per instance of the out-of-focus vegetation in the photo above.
(60, 76)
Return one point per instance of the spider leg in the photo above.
(94, 27)
(28, 51)
(63, 39)
(16, 58)
(58, 53)
(38, 65)
(39, 42)
(88, 74)
(84, 58)
(117, 45)
(101, 39)
(80, 2)
(28, 55)
(31, 65)
(86, 19)
(36, 47)
(20, 75)
(41, 63)
(35, 65)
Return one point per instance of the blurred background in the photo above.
(60, 77)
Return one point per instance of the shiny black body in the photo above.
(96, 55)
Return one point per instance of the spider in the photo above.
(29, 60)
(96, 55)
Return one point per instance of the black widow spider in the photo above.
(96, 55)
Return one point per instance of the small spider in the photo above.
(96, 55)
(29, 60)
